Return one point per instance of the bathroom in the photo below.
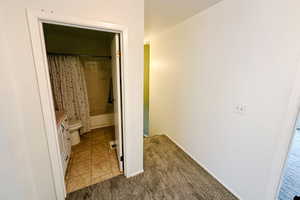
(84, 87)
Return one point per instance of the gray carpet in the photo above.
(170, 174)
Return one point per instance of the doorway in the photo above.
(290, 183)
(36, 19)
(84, 68)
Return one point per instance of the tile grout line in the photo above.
(109, 159)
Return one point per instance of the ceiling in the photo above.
(76, 32)
(161, 14)
(61, 39)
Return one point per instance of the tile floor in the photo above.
(170, 174)
(92, 160)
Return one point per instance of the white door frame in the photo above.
(115, 53)
(35, 20)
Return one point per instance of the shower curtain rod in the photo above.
(74, 54)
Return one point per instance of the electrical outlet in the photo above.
(240, 109)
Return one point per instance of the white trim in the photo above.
(124, 59)
(134, 174)
(35, 19)
(199, 163)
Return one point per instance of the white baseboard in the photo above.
(134, 174)
(100, 121)
(192, 157)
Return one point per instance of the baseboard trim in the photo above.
(199, 163)
(135, 174)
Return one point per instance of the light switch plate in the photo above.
(240, 109)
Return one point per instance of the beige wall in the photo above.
(23, 124)
(98, 79)
(146, 88)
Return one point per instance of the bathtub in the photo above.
(103, 120)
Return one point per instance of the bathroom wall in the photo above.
(98, 82)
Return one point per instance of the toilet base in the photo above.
(75, 138)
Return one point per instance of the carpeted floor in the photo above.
(170, 174)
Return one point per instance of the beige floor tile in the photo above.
(109, 137)
(92, 160)
(78, 182)
(80, 168)
(113, 155)
(86, 142)
(67, 176)
(98, 140)
(82, 156)
(100, 148)
(103, 157)
(114, 162)
(100, 169)
(98, 133)
(80, 148)
(116, 173)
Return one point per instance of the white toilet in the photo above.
(74, 132)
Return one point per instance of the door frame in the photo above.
(116, 84)
(35, 20)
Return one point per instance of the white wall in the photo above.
(25, 147)
(11, 143)
(236, 52)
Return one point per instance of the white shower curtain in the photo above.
(69, 88)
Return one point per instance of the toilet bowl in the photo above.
(74, 132)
